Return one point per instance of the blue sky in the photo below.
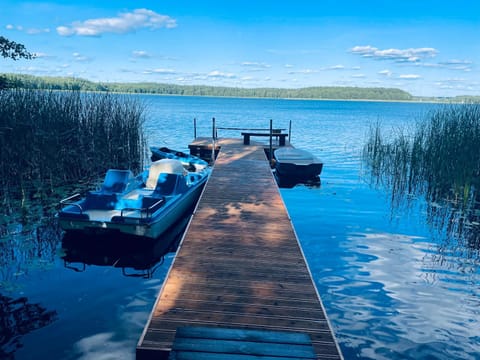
(428, 48)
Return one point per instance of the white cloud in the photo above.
(303, 71)
(79, 57)
(385, 72)
(358, 76)
(123, 23)
(218, 74)
(34, 31)
(456, 80)
(163, 71)
(160, 71)
(255, 64)
(459, 65)
(141, 54)
(36, 70)
(30, 31)
(410, 76)
(288, 66)
(335, 67)
(40, 55)
(456, 62)
(398, 55)
(459, 85)
(14, 27)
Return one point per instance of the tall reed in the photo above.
(49, 138)
(439, 160)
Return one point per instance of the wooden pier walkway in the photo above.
(240, 265)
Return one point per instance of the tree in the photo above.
(13, 50)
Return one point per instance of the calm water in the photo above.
(393, 284)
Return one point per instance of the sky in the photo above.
(425, 47)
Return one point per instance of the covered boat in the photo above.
(145, 205)
(296, 163)
(190, 162)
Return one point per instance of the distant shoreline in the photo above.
(324, 93)
(419, 101)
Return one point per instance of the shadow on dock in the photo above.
(240, 265)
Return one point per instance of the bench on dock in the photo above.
(198, 343)
(280, 136)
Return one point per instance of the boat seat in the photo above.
(101, 201)
(166, 184)
(275, 134)
(116, 181)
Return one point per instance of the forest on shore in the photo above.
(325, 92)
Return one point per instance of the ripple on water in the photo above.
(388, 300)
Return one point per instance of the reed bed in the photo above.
(439, 160)
(49, 139)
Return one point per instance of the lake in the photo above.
(396, 284)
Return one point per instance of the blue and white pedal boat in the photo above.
(145, 205)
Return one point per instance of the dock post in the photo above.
(214, 136)
(290, 131)
(271, 145)
(214, 129)
(194, 128)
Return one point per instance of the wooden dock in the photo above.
(239, 265)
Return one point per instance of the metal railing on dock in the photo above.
(215, 129)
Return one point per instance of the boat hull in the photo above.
(298, 171)
(297, 164)
(134, 258)
(158, 224)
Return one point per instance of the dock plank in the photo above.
(240, 265)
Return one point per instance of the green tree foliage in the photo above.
(341, 93)
(11, 49)
(325, 92)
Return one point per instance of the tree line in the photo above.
(15, 51)
(329, 92)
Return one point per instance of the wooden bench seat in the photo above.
(281, 137)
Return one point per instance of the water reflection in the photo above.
(29, 238)
(18, 317)
(24, 247)
(438, 164)
(453, 217)
(288, 182)
(401, 303)
(136, 257)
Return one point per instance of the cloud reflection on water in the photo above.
(393, 292)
